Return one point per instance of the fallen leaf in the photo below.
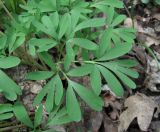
(109, 125)
(96, 120)
(138, 106)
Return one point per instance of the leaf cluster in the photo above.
(61, 40)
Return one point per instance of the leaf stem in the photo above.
(6, 10)
(11, 128)
(28, 59)
(129, 14)
(151, 53)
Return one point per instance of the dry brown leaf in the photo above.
(109, 125)
(138, 106)
(96, 121)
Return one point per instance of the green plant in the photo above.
(85, 44)
(147, 1)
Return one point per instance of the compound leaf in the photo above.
(88, 96)
(112, 81)
(117, 51)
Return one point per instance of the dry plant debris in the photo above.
(138, 106)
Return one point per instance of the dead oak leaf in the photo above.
(138, 106)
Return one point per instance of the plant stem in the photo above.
(11, 128)
(24, 2)
(151, 53)
(129, 14)
(28, 59)
(6, 10)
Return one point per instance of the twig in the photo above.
(129, 14)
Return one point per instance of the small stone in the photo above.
(36, 88)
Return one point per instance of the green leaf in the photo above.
(113, 3)
(119, 72)
(42, 44)
(64, 24)
(116, 39)
(112, 81)
(11, 38)
(71, 101)
(49, 104)
(38, 116)
(47, 58)
(61, 118)
(11, 90)
(39, 75)
(105, 41)
(96, 80)
(118, 20)
(64, 2)
(58, 90)
(21, 114)
(9, 62)
(6, 116)
(3, 40)
(126, 63)
(95, 22)
(145, 1)
(5, 108)
(47, 5)
(41, 27)
(88, 96)
(46, 20)
(158, 2)
(81, 71)
(69, 57)
(129, 72)
(53, 91)
(84, 43)
(41, 95)
(55, 19)
(74, 18)
(110, 15)
(18, 42)
(116, 51)
(125, 37)
(126, 80)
